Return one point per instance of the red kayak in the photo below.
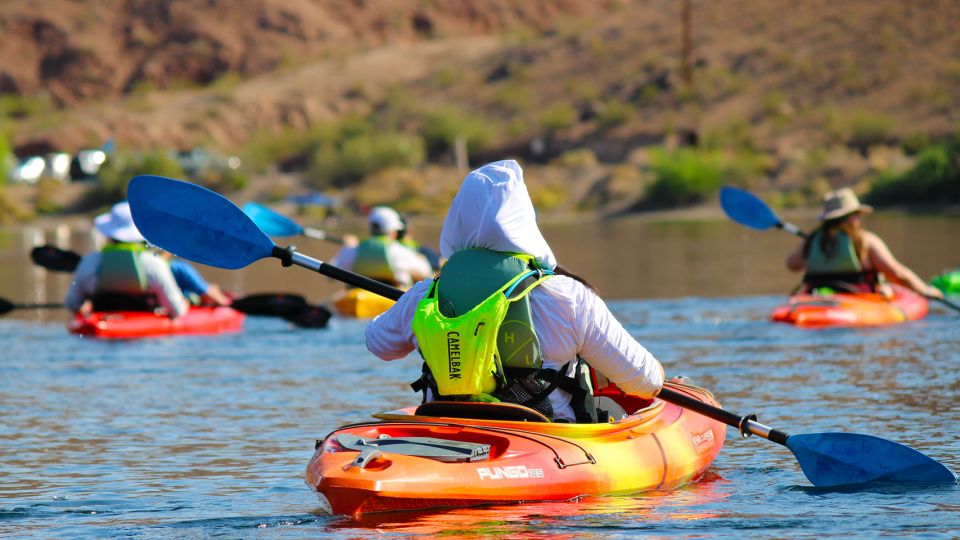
(849, 309)
(140, 324)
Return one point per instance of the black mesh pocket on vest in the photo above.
(529, 393)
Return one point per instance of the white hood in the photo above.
(493, 210)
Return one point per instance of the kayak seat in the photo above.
(110, 301)
(480, 411)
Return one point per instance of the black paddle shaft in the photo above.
(746, 424)
(288, 256)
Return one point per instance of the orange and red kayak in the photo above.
(141, 324)
(852, 309)
(456, 454)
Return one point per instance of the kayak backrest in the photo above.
(476, 410)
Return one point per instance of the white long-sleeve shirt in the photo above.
(569, 319)
(160, 282)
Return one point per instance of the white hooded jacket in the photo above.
(493, 210)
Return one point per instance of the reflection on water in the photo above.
(210, 436)
(634, 257)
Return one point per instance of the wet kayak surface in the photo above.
(210, 436)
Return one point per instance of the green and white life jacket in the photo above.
(121, 280)
(373, 261)
(120, 271)
(841, 269)
(475, 332)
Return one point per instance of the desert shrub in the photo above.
(443, 125)
(934, 179)
(10, 210)
(117, 171)
(266, 148)
(614, 113)
(683, 177)
(734, 133)
(19, 106)
(7, 161)
(913, 143)
(224, 180)
(557, 117)
(859, 128)
(360, 154)
(514, 97)
(45, 202)
(577, 158)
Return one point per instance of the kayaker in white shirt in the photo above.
(493, 211)
(135, 275)
(382, 256)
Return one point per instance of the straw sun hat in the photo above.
(842, 202)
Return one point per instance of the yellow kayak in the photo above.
(360, 303)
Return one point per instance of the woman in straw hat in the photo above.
(124, 276)
(841, 254)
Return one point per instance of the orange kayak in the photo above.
(457, 454)
(360, 303)
(140, 324)
(848, 309)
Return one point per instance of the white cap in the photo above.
(385, 219)
(118, 224)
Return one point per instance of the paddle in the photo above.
(7, 306)
(274, 224)
(54, 258)
(198, 224)
(749, 210)
(291, 307)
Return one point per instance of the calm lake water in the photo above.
(202, 437)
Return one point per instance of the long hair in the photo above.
(828, 237)
(561, 271)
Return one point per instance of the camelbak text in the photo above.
(499, 473)
(453, 354)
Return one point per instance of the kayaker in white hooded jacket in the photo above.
(493, 210)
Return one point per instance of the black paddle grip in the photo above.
(696, 405)
(284, 254)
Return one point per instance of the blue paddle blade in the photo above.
(747, 209)
(270, 222)
(195, 223)
(840, 459)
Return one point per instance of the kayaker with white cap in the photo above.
(381, 256)
(124, 276)
(841, 255)
(503, 322)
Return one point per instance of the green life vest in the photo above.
(373, 261)
(475, 322)
(844, 258)
(120, 271)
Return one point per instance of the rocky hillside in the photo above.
(776, 77)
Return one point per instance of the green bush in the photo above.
(45, 202)
(362, 154)
(7, 161)
(683, 177)
(858, 128)
(557, 117)
(614, 113)
(117, 171)
(443, 125)
(935, 179)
